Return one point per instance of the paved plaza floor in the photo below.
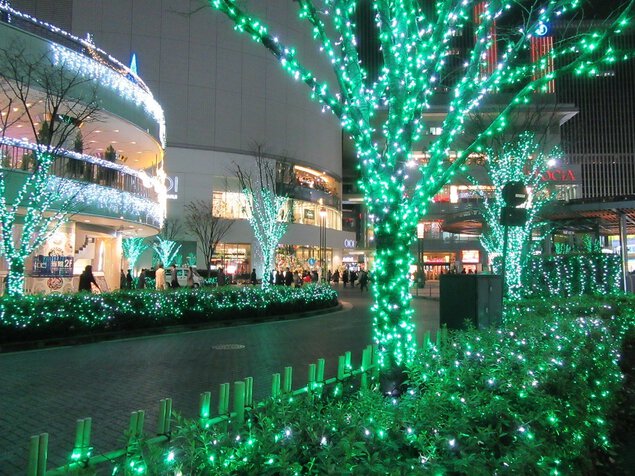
(47, 390)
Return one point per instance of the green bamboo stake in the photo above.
(38, 452)
(165, 416)
(249, 392)
(349, 360)
(239, 403)
(275, 385)
(223, 401)
(205, 405)
(81, 449)
(311, 378)
(375, 362)
(341, 365)
(426, 339)
(320, 371)
(366, 355)
(288, 378)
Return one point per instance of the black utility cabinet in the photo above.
(477, 298)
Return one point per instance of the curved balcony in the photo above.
(310, 195)
(120, 91)
(105, 189)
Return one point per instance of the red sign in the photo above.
(559, 175)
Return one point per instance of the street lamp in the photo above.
(323, 242)
(420, 232)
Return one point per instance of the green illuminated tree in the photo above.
(47, 103)
(520, 160)
(166, 251)
(265, 204)
(133, 248)
(422, 68)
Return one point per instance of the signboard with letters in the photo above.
(53, 266)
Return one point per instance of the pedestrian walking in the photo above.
(129, 281)
(253, 277)
(142, 279)
(363, 281)
(174, 283)
(159, 277)
(190, 277)
(345, 277)
(86, 280)
(123, 282)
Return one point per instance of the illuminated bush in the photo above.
(55, 315)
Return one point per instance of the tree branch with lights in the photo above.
(204, 220)
(416, 45)
(133, 248)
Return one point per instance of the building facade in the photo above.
(223, 95)
(108, 171)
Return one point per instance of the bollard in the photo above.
(341, 366)
(348, 360)
(135, 429)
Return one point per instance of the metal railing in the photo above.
(241, 402)
(69, 167)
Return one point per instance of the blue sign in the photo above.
(53, 266)
(541, 29)
(311, 261)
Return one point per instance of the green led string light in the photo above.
(265, 206)
(166, 251)
(536, 393)
(416, 47)
(133, 248)
(32, 208)
(518, 161)
(55, 315)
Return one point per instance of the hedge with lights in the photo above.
(62, 315)
(534, 397)
(571, 274)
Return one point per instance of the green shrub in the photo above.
(56, 315)
(531, 398)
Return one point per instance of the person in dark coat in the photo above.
(336, 276)
(279, 278)
(363, 280)
(142, 279)
(253, 278)
(345, 277)
(288, 277)
(86, 279)
(174, 283)
(123, 283)
(129, 280)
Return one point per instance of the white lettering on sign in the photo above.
(349, 243)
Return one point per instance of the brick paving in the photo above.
(47, 390)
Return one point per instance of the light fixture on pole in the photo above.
(323, 266)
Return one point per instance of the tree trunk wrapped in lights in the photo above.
(520, 160)
(416, 47)
(265, 206)
(166, 251)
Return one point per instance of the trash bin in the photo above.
(473, 298)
